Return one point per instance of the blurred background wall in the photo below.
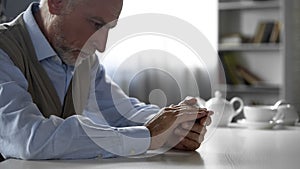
(11, 8)
(161, 70)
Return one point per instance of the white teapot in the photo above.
(290, 115)
(223, 110)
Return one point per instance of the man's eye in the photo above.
(98, 25)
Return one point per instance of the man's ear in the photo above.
(56, 7)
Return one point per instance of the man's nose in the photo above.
(101, 39)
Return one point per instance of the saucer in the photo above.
(256, 125)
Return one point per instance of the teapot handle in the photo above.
(237, 99)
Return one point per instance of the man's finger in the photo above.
(192, 126)
(206, 121)
(203, 131)
(189, 101)
(190, 116)
(187, 134)
(201, 138)
(188, 145)
(186, 108)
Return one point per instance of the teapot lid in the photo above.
(218, 94)
(217, 99)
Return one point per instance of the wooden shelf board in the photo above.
(249, 47)
(263, 89)
(240, 5)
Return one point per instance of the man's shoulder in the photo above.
(11, 32)
(3, 28)
(9, 26)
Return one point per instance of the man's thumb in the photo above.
(191, 101)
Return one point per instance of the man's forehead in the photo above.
(113, 5)
(107, 10)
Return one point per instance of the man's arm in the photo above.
(108, 104)
(171, 126)
(26, 134)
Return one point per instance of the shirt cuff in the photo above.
(136, 140)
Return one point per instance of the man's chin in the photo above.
(81, 54)
(74, 57)
(69, 59)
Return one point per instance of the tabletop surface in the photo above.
(226, 148)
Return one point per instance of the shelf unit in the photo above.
(242, 17)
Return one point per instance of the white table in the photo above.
(227, 148)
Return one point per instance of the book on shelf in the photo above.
(229, 63)
(236, 73)
(275, 35)
(249, 77)
(267, 32)
(258, 36)
(234, 39)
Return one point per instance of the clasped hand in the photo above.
(181, 126)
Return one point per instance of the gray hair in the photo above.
(70, 3)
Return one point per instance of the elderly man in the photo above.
(38, 51)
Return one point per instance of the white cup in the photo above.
(261, 113)
(264, 113)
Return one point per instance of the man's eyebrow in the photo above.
(99, 19)
(111, 24)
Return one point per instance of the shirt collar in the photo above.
(42, 47)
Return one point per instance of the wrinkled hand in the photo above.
(171, 124)
(189, 135)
